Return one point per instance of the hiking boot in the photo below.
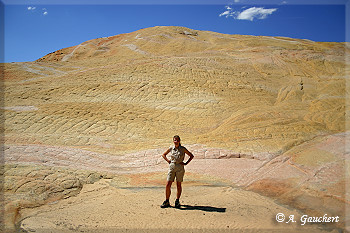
(177, 203)
(165, 204)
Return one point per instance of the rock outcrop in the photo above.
(113, 104)
(236, 92)
(28, 186)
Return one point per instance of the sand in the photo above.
(100, 207)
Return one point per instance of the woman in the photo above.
(176, 169)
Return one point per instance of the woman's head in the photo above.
(176, 140)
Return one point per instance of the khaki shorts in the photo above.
(176, 170)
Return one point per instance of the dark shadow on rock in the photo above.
(202, 208)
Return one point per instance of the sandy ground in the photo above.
(102, 207)
(130, 201)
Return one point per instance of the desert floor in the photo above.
(111, 205)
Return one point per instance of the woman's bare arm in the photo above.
(189, 154)
(164, 155)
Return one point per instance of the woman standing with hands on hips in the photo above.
(176, 169)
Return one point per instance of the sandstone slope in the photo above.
(267, 105)
(251, 94)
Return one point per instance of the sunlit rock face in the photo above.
(113, 104)
(134, 91)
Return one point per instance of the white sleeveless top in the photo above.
(177, 154)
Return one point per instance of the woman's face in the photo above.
(176, 141)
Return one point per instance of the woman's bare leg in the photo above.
(168, 189)
(179, 190)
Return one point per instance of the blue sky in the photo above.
(33, 29)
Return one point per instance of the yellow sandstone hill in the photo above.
(133, 91)
(227, 96)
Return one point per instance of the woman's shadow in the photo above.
(202, 208)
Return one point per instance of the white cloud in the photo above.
(236, 1)
(33, 8)
(255, 12)
(45, 12)
(227, 13)
(249, 14)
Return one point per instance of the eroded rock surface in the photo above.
(266, 113)
(244, 93)
(26, 186)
